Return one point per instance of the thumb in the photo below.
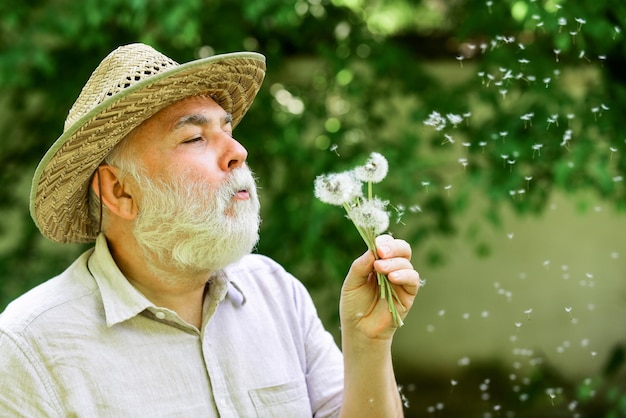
(360, 269)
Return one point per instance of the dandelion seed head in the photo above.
(374, 170)
(337, 188)
(372, 215)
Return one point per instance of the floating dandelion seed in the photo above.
(528, 312)
(503, 93)
(527, 118)
(546, 81)
(489, 3)
(567, 137)
(448, 139)
(568, 309)
(553, 119)
(436, 121)
(595, 110)
(556, 54)
(510, 163)
(536, 148)
(562, 22)
(334, 148)
(454, 119)
(581, 55)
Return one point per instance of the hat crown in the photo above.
(121, 69)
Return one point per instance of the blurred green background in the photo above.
(502, 122)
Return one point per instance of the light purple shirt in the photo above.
(88, 344)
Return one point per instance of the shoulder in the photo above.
(43, 302)
(262, 271)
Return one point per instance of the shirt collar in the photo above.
(122, 301)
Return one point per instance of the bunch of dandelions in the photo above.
(367, 212)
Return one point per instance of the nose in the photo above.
(235, 155)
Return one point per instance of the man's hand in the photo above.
(362, 310)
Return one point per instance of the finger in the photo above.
(409, 279)
(388, 247)
(388, 265)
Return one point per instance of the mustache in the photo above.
(240, 180)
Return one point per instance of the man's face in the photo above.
(193, 137)
(198, 207)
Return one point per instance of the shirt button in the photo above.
(160, 315)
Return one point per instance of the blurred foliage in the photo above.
(531, 93)
(346, 77)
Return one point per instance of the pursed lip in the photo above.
(242, 194)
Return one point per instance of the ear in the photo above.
(115, 194)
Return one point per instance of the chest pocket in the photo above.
(285, 400)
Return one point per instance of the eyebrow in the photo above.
(200, 120)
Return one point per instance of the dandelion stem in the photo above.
(386, 289)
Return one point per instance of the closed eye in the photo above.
(193, 140)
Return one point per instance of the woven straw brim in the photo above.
(59, 194)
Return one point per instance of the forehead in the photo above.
(170, 116)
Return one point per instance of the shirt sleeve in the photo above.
(324, 361)
(25, 389)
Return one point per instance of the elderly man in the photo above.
(169, 314)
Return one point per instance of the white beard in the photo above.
(186, 229)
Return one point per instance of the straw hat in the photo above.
(131, 84)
